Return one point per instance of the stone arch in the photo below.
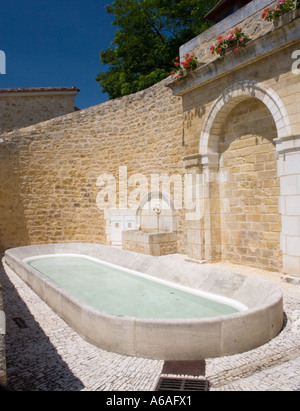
(241, 220)
(231, 97)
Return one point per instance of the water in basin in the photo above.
(120, 292)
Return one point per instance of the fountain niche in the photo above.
(156, 234)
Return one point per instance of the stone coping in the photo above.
(6, 92)
(191, 339)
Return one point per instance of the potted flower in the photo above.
(282, 8)
(182, 67)
(232, 42)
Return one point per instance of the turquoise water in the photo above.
(117, 292)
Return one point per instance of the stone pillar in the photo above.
(289, 173)
(212, 215)
(193, 191)
(203, 220)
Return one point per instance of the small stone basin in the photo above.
(150, 243)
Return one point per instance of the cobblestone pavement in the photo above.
(49, 355)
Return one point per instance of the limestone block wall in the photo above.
(249, 188)
(51, 173)
(24, 107)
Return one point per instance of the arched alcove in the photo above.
(242, 222)
(249, 188)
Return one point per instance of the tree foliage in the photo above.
(149, 34)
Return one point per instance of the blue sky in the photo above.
(55, 43)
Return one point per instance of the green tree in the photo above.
(149, 34)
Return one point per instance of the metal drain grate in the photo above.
(181, 384)
(20, 323)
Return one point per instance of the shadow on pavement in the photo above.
(33, 363)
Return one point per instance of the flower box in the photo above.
(182, 68)
(286, 18)
(283, 13)
(231, 43)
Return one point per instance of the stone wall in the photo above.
(50, 171)
(24, 107)
(250, 222)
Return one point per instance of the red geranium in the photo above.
(283, 7)
(188, 61)
(235, 38)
